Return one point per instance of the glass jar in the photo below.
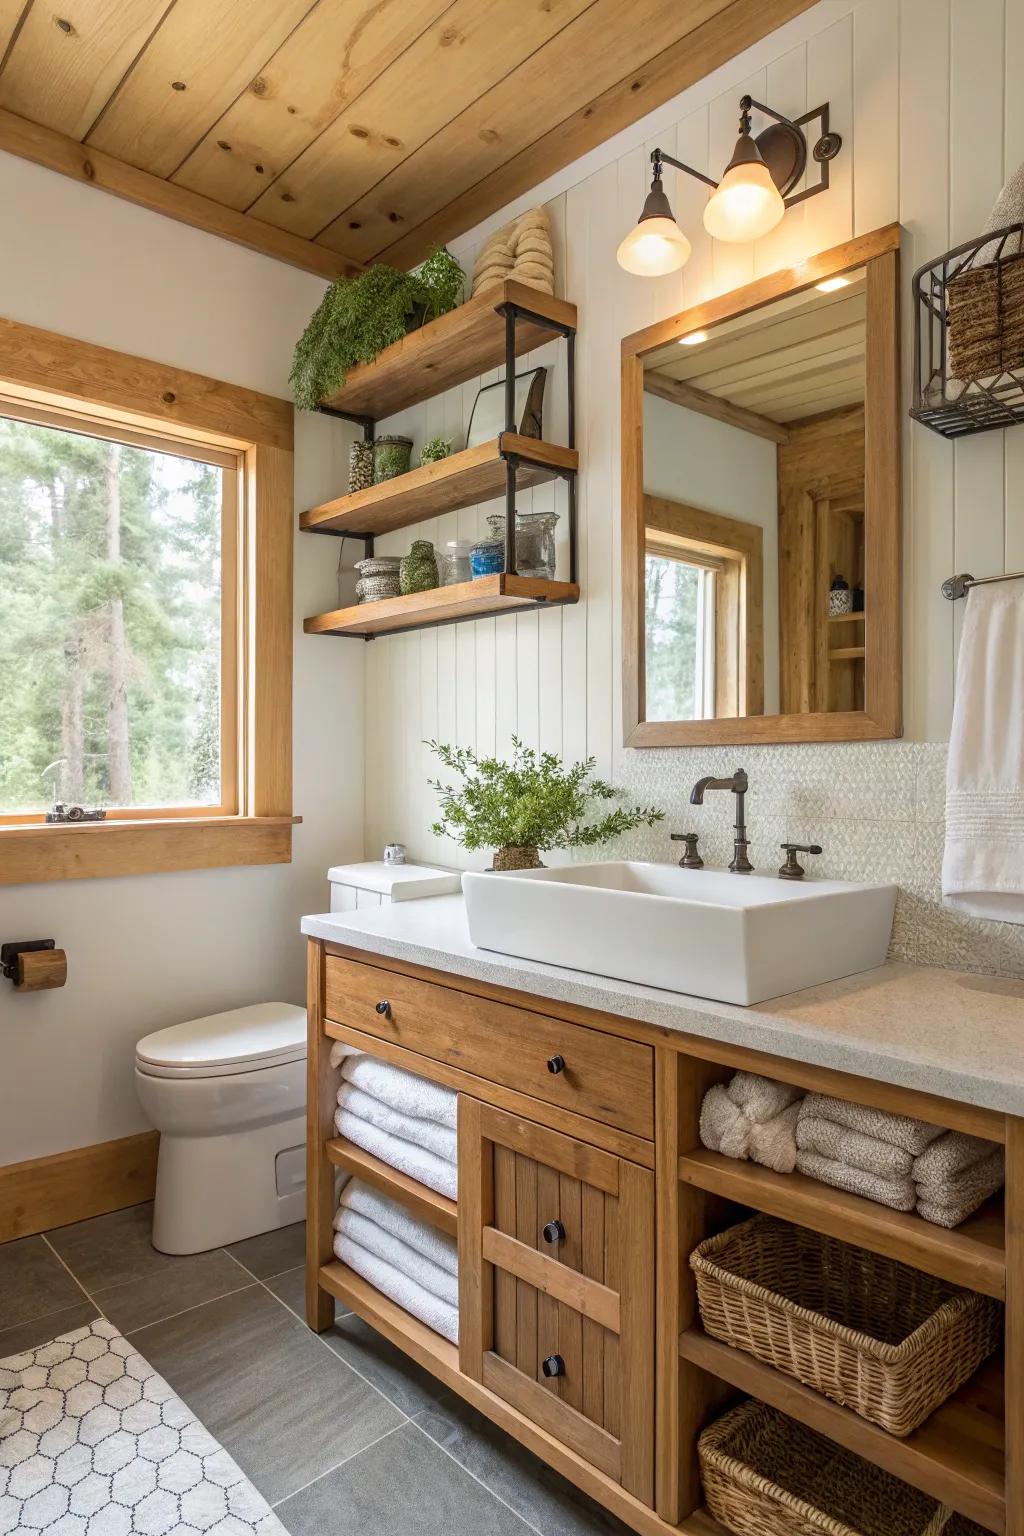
(487, 558)
(455, 562)
(535, 541)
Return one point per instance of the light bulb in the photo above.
(655, 247)
(832, 284)
(745, 205)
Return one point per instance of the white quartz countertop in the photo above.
(950, 1033)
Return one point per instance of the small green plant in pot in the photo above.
(527, 806)
(435, 449)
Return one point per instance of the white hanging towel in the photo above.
(983, 866)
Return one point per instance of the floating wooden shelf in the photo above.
(475, 474)
(426, 1203)
(971, 1255)
(459, 346)
(956, 1456)
(847, 653)
(846, 618)
(443, 605)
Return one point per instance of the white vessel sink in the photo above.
(734, 938)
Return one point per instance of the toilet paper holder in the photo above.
(33, 964)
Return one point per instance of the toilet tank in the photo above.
(376, 884)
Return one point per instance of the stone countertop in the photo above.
(950, 1033)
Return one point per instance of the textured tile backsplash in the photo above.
(876, 808)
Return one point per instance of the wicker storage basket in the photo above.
(868, 1332)
(766, 1475)
(986, 319)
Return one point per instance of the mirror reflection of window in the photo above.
(681, 593)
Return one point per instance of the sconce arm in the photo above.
(659, 158)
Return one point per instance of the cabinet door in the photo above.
(556, 1286)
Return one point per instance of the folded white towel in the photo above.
(436, 1246)
(813, 1134)
(406, 1092)
(439, 1282)
(417, 1162)
(898, 1130)
(422, 1133)
(983, 864)
(430, 1309)
(760, 1098)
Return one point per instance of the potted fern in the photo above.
(529, 805)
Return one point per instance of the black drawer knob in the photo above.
(554, 1232)
(384, 1008)
(556, 1063)
(554, 1365)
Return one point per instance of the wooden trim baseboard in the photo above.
(54, 1191)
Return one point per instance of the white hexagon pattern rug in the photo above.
(94, 1443)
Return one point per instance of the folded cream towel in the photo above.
(773, 1143)
(853, 1148)
(966, 1190)
(436, 1246)
(982, 867)
(723, 1126)
(406, 1092)
(898, 1194)
(439, 1282)
(422, 1133)
(436, 1172)
(950, 1156)
(898, 1130)
(430, 1309)
(760, 1098)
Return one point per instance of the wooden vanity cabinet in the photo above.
(556, 1287)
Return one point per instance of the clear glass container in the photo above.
(535, 541)
(455, 566)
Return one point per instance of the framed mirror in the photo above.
(761, 534)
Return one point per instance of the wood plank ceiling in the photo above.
(330, 133)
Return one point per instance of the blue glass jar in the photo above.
(487, 558)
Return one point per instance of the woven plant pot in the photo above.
(868, 1332)
(418, 571)
(986, 319)
(767, 1475)
(517, 858)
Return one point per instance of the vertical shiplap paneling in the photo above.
(574, 619)
(691, 196)
(924, 210)
(872, 135)
(786, 91)
(829, 220)
(1013, 139)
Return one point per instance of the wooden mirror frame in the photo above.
(882, 716)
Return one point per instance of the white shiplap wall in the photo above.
(926, 94)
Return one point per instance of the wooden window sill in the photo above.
(37, 852)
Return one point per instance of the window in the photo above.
(680, 635)
(117, 612)
(146, 532)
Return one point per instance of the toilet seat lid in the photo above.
(261, 1035)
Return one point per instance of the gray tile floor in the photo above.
(340, 1432)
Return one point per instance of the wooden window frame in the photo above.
(60, 381)
(881, 719)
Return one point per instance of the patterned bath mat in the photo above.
(94, 1443)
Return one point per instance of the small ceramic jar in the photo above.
(487, 558)
(378, 578)
(360, 466)
(840, 600)
(391, 458)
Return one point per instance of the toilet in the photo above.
(228, 1095)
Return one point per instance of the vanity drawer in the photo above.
(594, 1074)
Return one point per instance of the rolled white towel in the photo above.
(405, 1092)
(899, 1130)
(430, 1309)
(760, 1098)
(340, 1049)
(436, 1246)
(723, 1125)
(417, 1162)
(422, 1133)
(439, 1282)
(773, 1142)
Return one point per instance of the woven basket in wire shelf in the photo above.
(766, 1475)
(880, 1338)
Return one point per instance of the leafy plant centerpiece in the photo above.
(524, 807)
(359, 316)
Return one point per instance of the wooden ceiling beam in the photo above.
(687, 60)
(59, 153)
(699, 400)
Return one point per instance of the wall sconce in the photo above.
(753, 194)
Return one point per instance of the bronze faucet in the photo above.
(740, 865)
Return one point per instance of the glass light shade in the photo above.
(745, 205)
(655, 247)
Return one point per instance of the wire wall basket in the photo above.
(969, 336)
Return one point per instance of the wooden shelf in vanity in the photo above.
(956, 1456)
(425, 1203)
(972, 1255)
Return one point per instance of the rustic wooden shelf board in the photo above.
(459, 346)
(847, 618)
(847, 653)
(416, 1197)
(463, 479)
(444, 605)
(972, 1255)
(956, 1456)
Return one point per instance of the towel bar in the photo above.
(956, 587)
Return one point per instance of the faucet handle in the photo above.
(691, 859)
(792, 870)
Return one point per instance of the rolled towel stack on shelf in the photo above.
(955, 1175)
(405, 1120)
(861, 1150)
(752, 1117)
(403, 1257)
